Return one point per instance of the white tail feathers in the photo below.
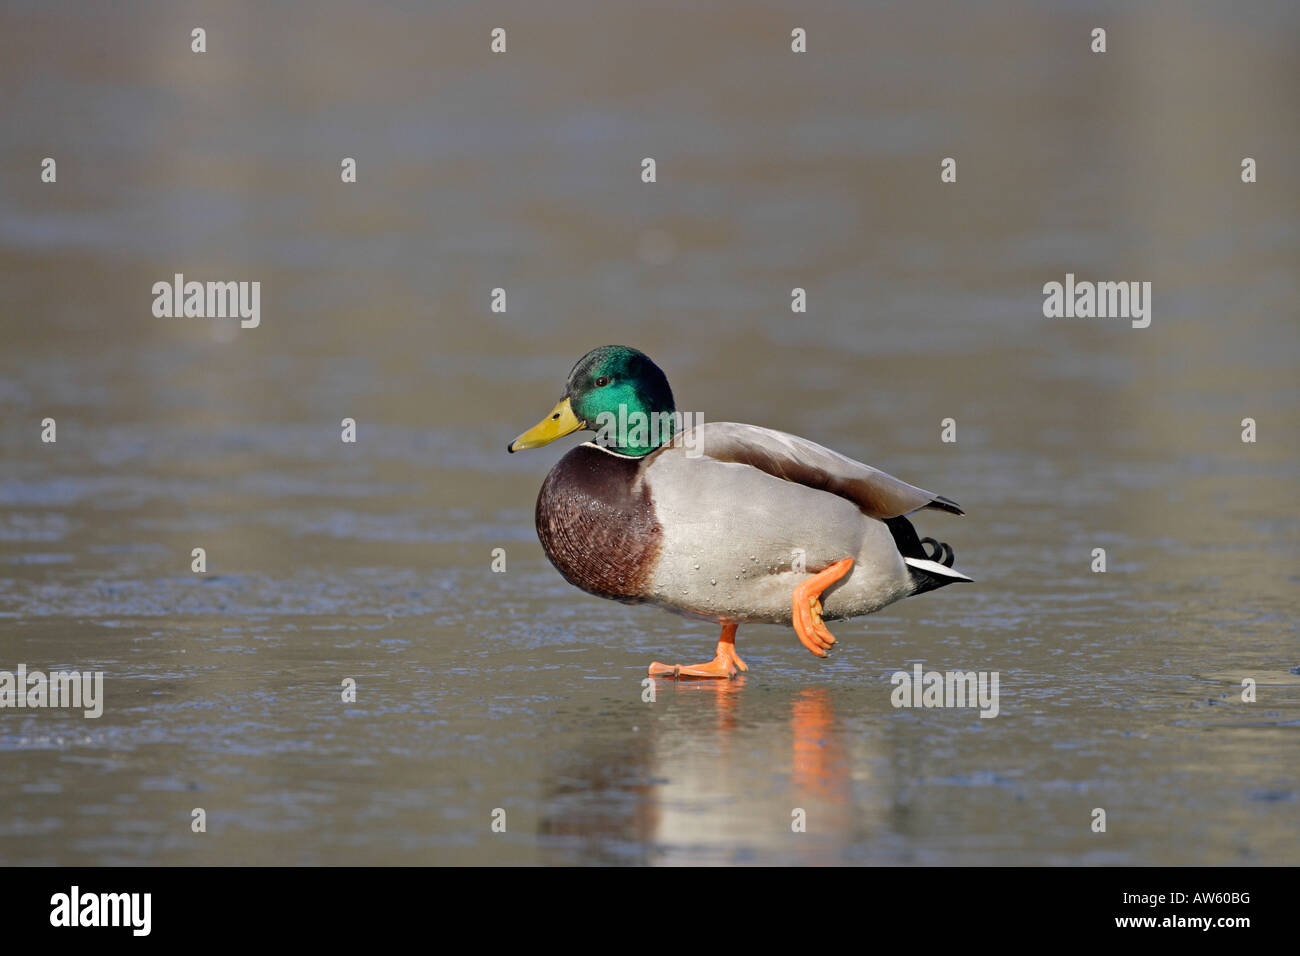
(936, 569)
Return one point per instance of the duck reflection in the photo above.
(716, 772)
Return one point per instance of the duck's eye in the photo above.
(602, 381)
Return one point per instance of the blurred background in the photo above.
(820, 170)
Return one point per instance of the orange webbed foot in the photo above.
(726, 662)
(808, 624)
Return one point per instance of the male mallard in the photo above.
(725, 522)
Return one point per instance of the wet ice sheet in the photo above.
(479, 691)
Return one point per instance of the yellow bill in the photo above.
(560, 422)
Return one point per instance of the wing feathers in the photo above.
(806, 463)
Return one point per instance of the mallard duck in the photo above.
(722, 522)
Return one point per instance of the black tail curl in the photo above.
(942, 552)
(910, 546)
(914, 548)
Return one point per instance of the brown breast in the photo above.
(600, 534)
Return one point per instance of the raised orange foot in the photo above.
(808, 622)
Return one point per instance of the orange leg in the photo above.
(726, 662)
(808, 608)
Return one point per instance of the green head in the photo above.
(617, 392)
